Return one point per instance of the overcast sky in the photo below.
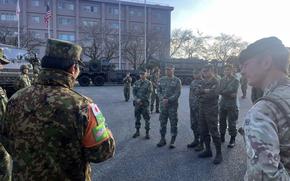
(248, 19)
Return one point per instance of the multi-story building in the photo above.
(68, 16)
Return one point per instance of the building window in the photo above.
(90, 9)
(134, 12)
(35, 3)
(65, 21)
(89, 23)
(66, 5)
(115, 26)
(35, 34)
(114, 11)
(67, 37)
(35, 19)
(8, 17)
(8, 1)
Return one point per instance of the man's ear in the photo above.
(71, 69)
(267, 62)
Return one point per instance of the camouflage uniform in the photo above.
(154, 78)
(209, 117)
(244, 86)
(194, 109)
(23, 80)
(127, 87)
(142, 91)
(267, 135)
(228, 110)
(51, 131)
(169, 88)
(256, 94)
(5, 159)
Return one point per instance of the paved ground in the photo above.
(140, 159)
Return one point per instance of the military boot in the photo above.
(171, 146)
(162, 142)
(136, 134)
(232, 142)
(147, 135)
(207, 152)
(222, 138)
(194, 143)
(199, 147)
(218, 157)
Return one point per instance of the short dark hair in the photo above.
(268, 46)
(57, 63)
(208, 67)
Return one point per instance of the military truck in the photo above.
(10, 73)
(100, 72)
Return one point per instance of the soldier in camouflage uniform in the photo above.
(244, 86)
(5, 159)
(127, 86)
(169, 89)
(51, 131)
(154, 78)
(194, 110)
(23, 80)
(267, 124)
(142, 91)
(228, 110)
(256, 94)
(208, 106)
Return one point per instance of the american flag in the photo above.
(47, 16)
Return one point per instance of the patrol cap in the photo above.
(142, 71)
(170, 66)
(208, 67)
(3, 60)
(271, 45)
(61, 54)
(22, 67)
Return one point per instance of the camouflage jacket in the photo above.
(142, 89)
(5, 160)
(52, 132)
(228, 91)
(23, 82)
(244, 81)
(127, 81)
(3, 102)
(193, 93)
(267, 136)
(169, 88)
(154, 78)
(210, 98)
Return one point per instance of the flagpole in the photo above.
(48, 22)
(18, 22)
(145, 29)
(120, 53)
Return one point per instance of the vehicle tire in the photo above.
(84, 80)
(98, 81)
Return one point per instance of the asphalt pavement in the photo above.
(140, 160)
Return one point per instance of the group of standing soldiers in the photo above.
(212, 102)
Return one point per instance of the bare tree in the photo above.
(179, 38)
(30, 42)
(225, 46)
(99, 42)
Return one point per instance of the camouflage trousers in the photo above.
(169, 112)
(194, 121)
(144, 112)
(127, 92)
(228, 118)
(244, 89)
(154, 99)
(209, 124)
(5, 165)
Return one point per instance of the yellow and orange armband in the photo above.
(96, 131)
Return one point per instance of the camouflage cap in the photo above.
(271, 45)
(3, 60)
(142, 71)
(22, 67)
(170, 66)
(208, 67)
(63, 50)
